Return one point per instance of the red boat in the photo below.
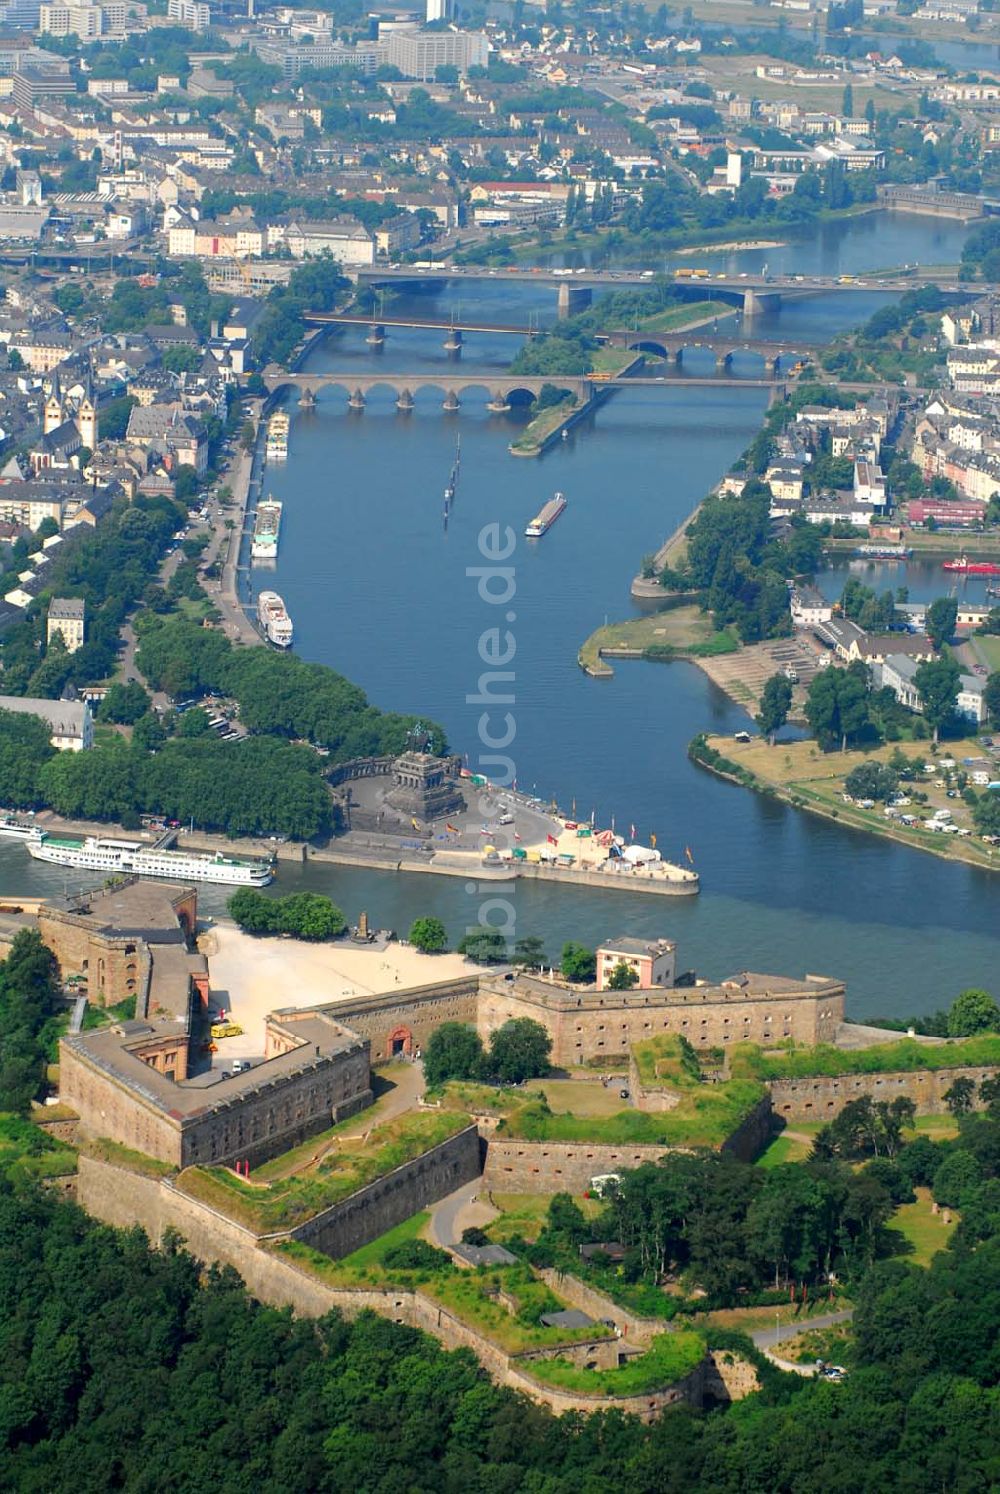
(966, 567)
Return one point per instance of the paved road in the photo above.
(444, 1230)
(769, 1338)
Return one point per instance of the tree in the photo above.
(972, 1011)
(623, 977)
(960, 1096)
(253, 911)
(837, 706)
(936, 681)
(958, 1174)
(872, 780)
(847, 104)
(454, 1051)
(519, 1050)
(942, 616)
(428, 935)
(485, 946)
(991, 697)
(310, 915)
(578, 963)
(124, 703)
(775, 703)
(530, 952)
(14, 360)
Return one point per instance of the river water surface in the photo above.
(379, 589)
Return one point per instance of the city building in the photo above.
(69, 721)
(66, 620)
(653, 961)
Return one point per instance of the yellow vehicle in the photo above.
(699, 274)
(226, 1029)
(598, 376)
(683, 274)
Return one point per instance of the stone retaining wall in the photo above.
(400, 1194)
(559, 1167)
(125, 1199)
(822, 1098)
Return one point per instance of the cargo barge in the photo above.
(543, 521)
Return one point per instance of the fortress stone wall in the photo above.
(124, 1199)
(261, 1119)
(585, 1026)
(399, 1195)
(823, 1098)
(402, 1022)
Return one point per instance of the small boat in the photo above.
(966, 567)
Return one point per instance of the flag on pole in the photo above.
(449, 826)
(652, 841)
(687, 852)
(552, 840)
(414, 824)
(631, 832)
(593, 816)
(516, 836)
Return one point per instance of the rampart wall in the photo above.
(822, 1098)
(589, 1026)
(411, 1017)
(124, 1199)
(399, 1195)
(558, 1167)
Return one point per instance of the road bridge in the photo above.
(671, 346)
(502, 390)
(752, 292)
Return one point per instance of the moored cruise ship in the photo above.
(19, 829)
(266, 530)
(134, 858)
(276, 449)
(274, 619)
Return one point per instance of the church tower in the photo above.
(55, 412)
(86, 414)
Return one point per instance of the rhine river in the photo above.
(379, 590)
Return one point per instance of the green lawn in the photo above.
(783, 1149)
(374, 1252)
(341, 1171)
(989, 648)
(925, 1230)
(668, 1359)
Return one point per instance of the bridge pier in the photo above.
(356, 401)
(755, 302)
(573, 298)
(453, 342)
(376, 337)
(452, 404)
(307, 399)
(498, 403)
(723, 362)
(773, 365)
(404, 401)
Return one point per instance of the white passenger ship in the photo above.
(135, 858)
(19, 829)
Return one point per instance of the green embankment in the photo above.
(287, 1201)
(669, 1358)
(748, 1061)
(677, 633)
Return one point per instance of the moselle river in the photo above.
(380, 589)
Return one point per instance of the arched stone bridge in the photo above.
(672, 347)
(503, 390)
